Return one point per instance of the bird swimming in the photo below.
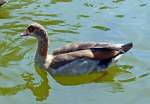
(75, 58)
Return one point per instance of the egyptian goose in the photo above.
(2, 2)
(74, 59)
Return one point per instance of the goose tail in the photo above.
(126, 47)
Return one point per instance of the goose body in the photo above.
(76, 58)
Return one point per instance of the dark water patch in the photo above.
(82, 16)
(144, 75)
(39, 14)
(3, 45)
(50, 22)
(142, 5)
(13, 53)
(57, 39)
(12, 26)
(64, 31)
(40, 90)
(88, 4)
(50, 15)
(4, 13)
(125, 67)
(102, 28)
(27, 42)
(57, 1)
(25, 18)
(75, 26)
(17, 5)
(104, 7)
(119, 15)
(117, 1)
(9, 91)
(10, 56)
(126, 77)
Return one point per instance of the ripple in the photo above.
(8, 91)
(104, 7)
(64, 31)
(142, 5)
(119, 16)
(9, 56)
(88, 4)
(82, 16)
(40, 90)
(101, 28)
(50, 22)
(114, 20)
(117, 1)
(57, 1)
(4, 13)
(144, 75)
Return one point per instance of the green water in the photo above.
(67, 21)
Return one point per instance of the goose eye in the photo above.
(31, 29)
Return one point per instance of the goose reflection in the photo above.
(114, 75)
(4, 13)
(40, 90)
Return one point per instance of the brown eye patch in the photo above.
(31, 28)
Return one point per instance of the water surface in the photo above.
(68, 21)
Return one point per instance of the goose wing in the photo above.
(84, 46)
(95, 51)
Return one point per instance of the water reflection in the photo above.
(64, 31)
(11, 54)
(40, 90)
(49, 22)
(56, 1)
(113, 75)
(88, 4)
(103, 7)
(117, 22)
(82, 16)
(4, 13)
(117, 1)
(119, 16)
(101, 28)
(142, 5)
(144, 75)
(4, 91)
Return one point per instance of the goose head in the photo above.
(35, 30)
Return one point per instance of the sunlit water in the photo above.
(68, 21)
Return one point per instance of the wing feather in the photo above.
(85, 46)
(94, 51)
